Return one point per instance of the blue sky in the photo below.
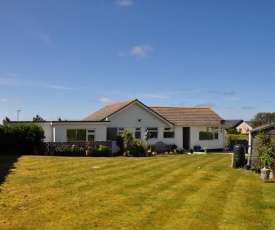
(69, 58)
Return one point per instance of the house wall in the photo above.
(48, 131)
(57, 132)
(211, 144)
(129, 120)
(135, 116)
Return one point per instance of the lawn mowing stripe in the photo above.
(268, 205)
(169, 197)
(100, 198)
(241, 199)
(198, 214)
(149, 197)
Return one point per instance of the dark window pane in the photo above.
(168, 134)
(76, 135)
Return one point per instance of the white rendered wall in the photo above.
(48, 131)
(61, 130)
(211, 144)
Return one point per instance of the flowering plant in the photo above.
(205, 148)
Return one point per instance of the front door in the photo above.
(186, 137)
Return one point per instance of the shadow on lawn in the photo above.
(6, 164)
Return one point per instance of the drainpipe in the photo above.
(53, 132)
(249, 149)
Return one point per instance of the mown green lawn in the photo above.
(160, 192)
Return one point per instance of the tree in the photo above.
(233, 131)
(38, 118)
(262, 119)
(6, 121)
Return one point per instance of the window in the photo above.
(91, 134)
(76, 134)
(120, 131)
(111, 134)
(168, 133)
(211, 133)
(153, 132)
(138, 133)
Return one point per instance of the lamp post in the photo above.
(18, 114)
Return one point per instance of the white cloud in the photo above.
(141, 51)
(14, 82)
(57, 87)
(205, 105)
(45, 85)
(8, 81)
(105, 100)
(124, 3)
(6, 100)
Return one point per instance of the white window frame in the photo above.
(152, 131)
(138, 132)
(120, 130)
(90, 132)
(214, 131)
(169, 130)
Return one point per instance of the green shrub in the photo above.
(227, 142)
(102, 151)
(235, 137)
(136, 150)
(265, 151)
(181, 150)
(69, 150)
(21, 138)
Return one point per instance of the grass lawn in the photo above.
(160, 192)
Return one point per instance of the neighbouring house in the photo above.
(244, 127)
(240, 125)
(269, 131)
(233, 123)
(180, 126)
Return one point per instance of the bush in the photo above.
(265, 151)
(236, 137)
(102, 151)
(21, 139)
(136, 150)
(181, 150)
(69, 150)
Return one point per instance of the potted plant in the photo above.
(206, 149)
(191, 150)
(267, 161)
(149, 151)
(174, 148)
(88, 149)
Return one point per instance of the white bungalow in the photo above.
(184, 127)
